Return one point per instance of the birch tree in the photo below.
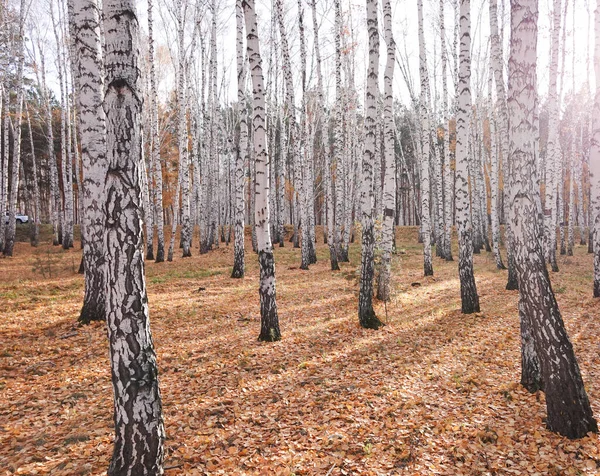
(139, 428)
(389, 186)
(568, 408)
(241, 146)
(156, 171)
(448, 178)
(468, 289)
(87, 44)
(9, 242)
(595, 158)
(424, 149)
(366, 313)
(552, 146)
(269, 327)
(497, 65)
(182, 131)
(494, 178)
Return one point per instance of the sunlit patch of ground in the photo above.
(433, 392)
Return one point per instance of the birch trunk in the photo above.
(497, 65)
(87, 43)
(468, 289)
(182, 133)
(338, 156)
(241, 146)
(425, 150)
(268, 305)
(552, 146)
(54, 191)
(595, 159)
(139, 428)
(35, 221)
(494, 179)
(447, 170)
(571, 226)
(366, 313)
(155, 144)
(389, 186)
(568, 408)
(9, 242)
(4, 177)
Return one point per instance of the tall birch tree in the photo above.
(595, 158)
(468, 289)
(389, 185)
(87, 45)
(241, 146)
(9, 241)
(139, 428)
(425, 149)
(269, 326)
(366, 313)
(567, 405)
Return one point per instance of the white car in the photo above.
(19, 217)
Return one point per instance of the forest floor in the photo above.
(433, 392)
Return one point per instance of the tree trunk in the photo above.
(425, 150)
(9, 242)
(366, 313)
(595, 161)
(389, 186)
(139, 428)
(269, 329)
(241, 146)
(497, 65)
(568, 408)
(468, 289)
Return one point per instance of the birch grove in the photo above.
(479, 139)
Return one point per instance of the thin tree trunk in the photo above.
(241, 146)
(497, 65)
(366, 313)
(35, 222)
(269, 329)
(468, 289)
(595, 160)
(389, 186)
(425, 150)
(9, 242)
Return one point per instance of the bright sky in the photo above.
(405, 27)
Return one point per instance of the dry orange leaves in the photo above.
(434, 392)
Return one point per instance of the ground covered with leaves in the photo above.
(433, 392)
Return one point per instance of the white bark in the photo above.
(139, 428)
(241, 145)
(366, 313)
(87, 43)
(468, 289)
(568, 408)
(12, 198)
(595, 158)
(389, 185)
(155, 144)
(268, 304)
(424, 150)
